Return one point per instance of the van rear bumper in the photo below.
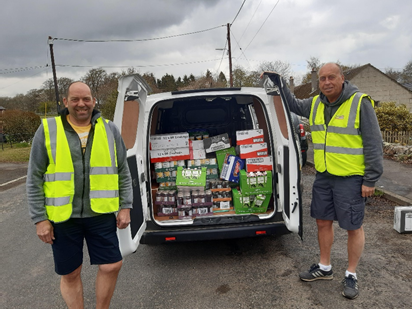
(195, 234)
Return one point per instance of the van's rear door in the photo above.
(287, 156)
(130, 110)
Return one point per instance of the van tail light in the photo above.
(302, 130)
(260, 232)
(170, 238)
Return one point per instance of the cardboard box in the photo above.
(196, 144)
(249, 137)
(168, 141)
(188, 177)
(253, 150)
(217, 142)
(244, 203)
(402, 221)
(173, 154)
(221, 156)
(259, 164)
(231, 169)
(257, 184)
(197, 154)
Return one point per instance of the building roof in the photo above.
(305, 90)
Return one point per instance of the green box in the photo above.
(221, 156)
(255, 185)
(239, 202)
(191, 177)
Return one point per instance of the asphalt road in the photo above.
(243, 273)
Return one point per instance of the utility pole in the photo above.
(230, 56)
(56, 89)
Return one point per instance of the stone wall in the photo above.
(398, 152)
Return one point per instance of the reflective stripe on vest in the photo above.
(59, 178)
(338, 148)
(104, 179)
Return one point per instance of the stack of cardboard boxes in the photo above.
(200, 175)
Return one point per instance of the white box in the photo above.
(249, 137)
(197, 154)
(169, 141)
(174, 154)
(253, 150)
(259, 164)
(402, 221)
(196, 145)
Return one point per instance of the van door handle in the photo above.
(142, 178)
(294, 207)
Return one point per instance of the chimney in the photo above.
(291, 85)
(314, 80)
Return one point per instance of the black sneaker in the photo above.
(315, 273)
(350, 287)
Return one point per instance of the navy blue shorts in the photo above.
(340, 199)
(101, 239)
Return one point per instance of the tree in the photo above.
(280, 67)
(109, 106)
(95, 79)
(222, 78)
(394, 74)
(168, 83)
(19, 125)
(406, 76)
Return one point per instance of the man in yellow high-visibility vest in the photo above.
(348, 159)
(79, 187)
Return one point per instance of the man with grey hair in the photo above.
(348, 159)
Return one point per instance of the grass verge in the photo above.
(19, 153)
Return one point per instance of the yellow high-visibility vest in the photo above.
(59, 178)
(338, 147)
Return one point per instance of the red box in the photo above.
(259, 164)
(249, 137)
(253, 150)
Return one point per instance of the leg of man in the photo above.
(325, 239)
(71, 288)
(356, 243)
(106, 283)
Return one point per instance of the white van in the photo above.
(215, 111)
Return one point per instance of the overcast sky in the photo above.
(351, 31)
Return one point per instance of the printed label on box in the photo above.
(168, 141)
(162, 155)
(253, 150)
(216, 143)
(197, 154)
(249, 137)
(259, 164)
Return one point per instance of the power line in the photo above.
(238, 12)
(250, 20)
(240, 47)
(16, 70)
(137, 66)
(138, 40)
(262, 24)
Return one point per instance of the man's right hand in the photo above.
(44, 230)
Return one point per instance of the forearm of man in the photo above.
(297, 106)
(34, 183)
(372, 144)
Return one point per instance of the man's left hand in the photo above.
(367, 191)
(123, 218)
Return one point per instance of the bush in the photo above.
(20, 126)
(393, 117)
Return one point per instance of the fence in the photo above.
(402, 137)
